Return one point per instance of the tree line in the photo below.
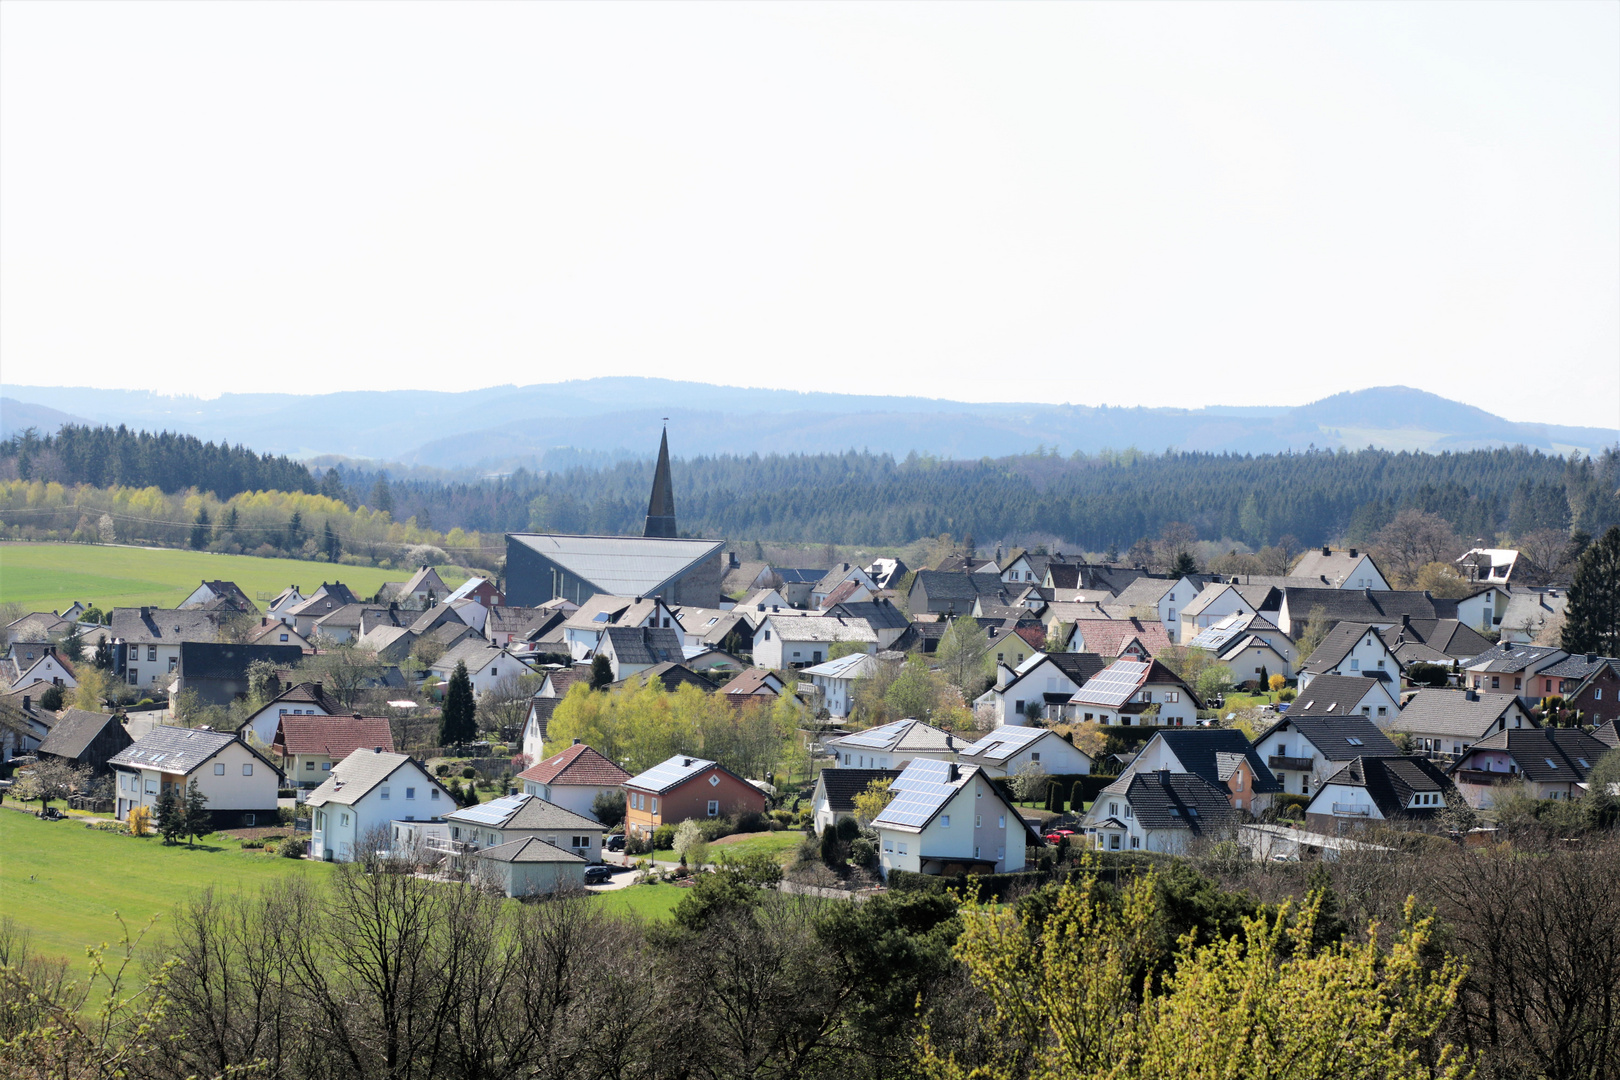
(111, 457)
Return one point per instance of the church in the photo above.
(544, 566)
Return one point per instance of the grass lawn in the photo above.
(63, 881)
(49, 577)
(778, 845)
(654, 901)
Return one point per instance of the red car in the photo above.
(1057, 834)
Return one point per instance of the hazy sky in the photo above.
(1177, 203)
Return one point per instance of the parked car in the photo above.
(598, 875)
(1057, 834)
(615, 842)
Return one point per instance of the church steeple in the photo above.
(661, 507)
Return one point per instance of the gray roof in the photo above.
(1332, 696)
(217, 660)
(329, 597)
(521, 811)
(965, 588)
(1339, 739)
(1447, 636)
(644, 644)
(1546, 755)
(358, 773)
(1391, 783)
(1333, 566)
(1452, 712)
(1579, 666)
(1143, 592)
(1608, 734)
(530, 849)
(794, 627)
(1167, 800)
(1007, 741)
(672, 772)
(842, 785)
(74, 731)
(878, 614)
(1532, 608)
(1367, 605)
(473, 651)
(1337, 645)
(148, 625)
(1505, 656)
(1199, 750)
(621, 565)
(176, 749)
(899, 737)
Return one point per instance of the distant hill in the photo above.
(18, 416)
(503, 427)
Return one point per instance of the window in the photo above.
(247, 769)
(1018, 707)
(714, 779)
(410, 793)
(1147, 695)
(655, 806)
(767, 635)
(1136, 841)
(219, 768)
(945, 821)
(1036, 756)
(1001, 821)
(1380, 665)
(247, 819)
(975, 851)
(1128, 811)
(1172, 696)
(1113, 809)
(283, 637)
(978, 821)
(343, 819)
(1383, 710)
(151, 787)
(151, 652)
(326, 766)
(888, 844)
(1496, 682)
(714, 807)
(1113, 841)
(134, 677)
(902, 847)
(1238, 777)
(384, 791)
(1355, 665)
(309, 766)
(433, 793)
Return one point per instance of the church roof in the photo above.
(661, 507)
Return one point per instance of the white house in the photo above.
(521, 816)
(1215, 603)
(1043, 683)
(1127, 692)
(1159, 810)
(34, 662)
(834, 797)
(1404, 790)
(487, 663)
(1351, 649)
(892, 746)
(784, 641)
(305, 699)
(1330, 697)
(281, 607)
(633, 649)
(1302, 752)
(1447, 723)
(1549, 763)
(554, 686)
(948, 819)
(150, 639)
(239, 782)
(837, 679)
(1221, 756)
(1343, 569)
(1167, 598)
(1007, 749)
(574, 778)
(365, 793)
(1484, 609)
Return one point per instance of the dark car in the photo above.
(615, 842)
(598, 875)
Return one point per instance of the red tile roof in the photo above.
(335, 736)
(578, 765)
(1108, 637)
(752, 681)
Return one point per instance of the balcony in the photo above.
(1297, 764)
(1484, 777)
(1345, 809)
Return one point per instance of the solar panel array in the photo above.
(668, 773)
(878, 737)
(1004, 741)
(1215, 637)
(921, 789)
(1115, 684)
(494, 812)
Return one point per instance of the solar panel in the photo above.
(1115, 684)
(672, 771)
(493, 812)
(1004, 741)
(877, 737)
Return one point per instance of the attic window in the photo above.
(1192, 811)
(1174, 812)
(1551, 764)
(1332, 706)
(1353, 742)
(1582, 763)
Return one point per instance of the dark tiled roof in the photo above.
(577, 765)
(213, 660)
(1546, 755)
(753, 681)
(644, 644)
(1332, 737)
(1608, 734)
(153, 625)
(964, 588)
(1336, 646)
(1452, 712)
(1367, 605)
(842, 785)
(674, 676)
(174, 749)
(530, 849)
(1167, 800)
(1332, 696)
(1579, 666)
(879, 614)
(1391, 783)
(1198, 748)
(74, 731)
(1506, 656)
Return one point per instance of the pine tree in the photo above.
(472, 793)
(1185, 564)
(457, 724)
(329, 543)
(1592, 618)
(73, 644)
(295, 531)
(199, 531)
(104, 655)
(382, 498)
(601, 672)
(171, 822)
(194, 814)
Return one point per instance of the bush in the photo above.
(290, 849)
(1287, 693)
(748, 822)
(664, 836)
(863, 852)
(1433, 675)
(285, 793)
(248, 845)
(469, 773)
(441, 769)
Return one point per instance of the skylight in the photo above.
(1551, 764)
(1352, 742)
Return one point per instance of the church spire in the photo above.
(661, 507)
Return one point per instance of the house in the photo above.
(486, 664)
(272, 631)
(1332, 696)
(310, 745)
(1492, 566)
(1128, 638)
(887, 621)
(635, 649)
(30, 662)
(554, 686)
(1163, 811)
(1302, 752)
(1219, 601)
(1220, 756)
(365, 793)
(1379, 607)
(1351, 649)
(480, 590)
(41, 626)
(1348, 569)
(218, 672)
(886, 573)
(1608, 734)
(1039, 688)
(1011, 646)
(953, 593)
(713, 628)
(1406, 792)
(352, 621)
(892, 746)
(1506, 668)
(88, 739)
(1433, 641)
(1165, 596)
(424, 589)
(1010, 748)
(1252, 645)
(216, 595)
(304, 699)
(836, 680)
(574, 778)
(508, 625)
(540, 566)
(787, 641)
(836, 577)
(1530, 611)
(1129, 692)
(1596, 697)
(1565, 677)
(685, 787)
(285, 601)
(834, 797)
(583, 628)
(793, 585)
(24, 723)
(325, 600)
(753, 685)
(529, 867)
(766, 602)
(521, 816)
(146, 642)
(950, 819)
(392, 644)
(1552, 763)
(670, 677)
(239, 782)
(1447, 723)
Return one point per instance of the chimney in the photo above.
(1326, 550)
(146, 612)
(577, 742)
(955, 773)
(686, 763)
(28, 703)
(1368, 593)
(1591, 658)
(1352, 553)
(1406, 623)
(1471, 695)
(376, 749)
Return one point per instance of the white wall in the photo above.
(371, 811)
(264, 722)
(233, 779)
(981, 827)
(575, 797)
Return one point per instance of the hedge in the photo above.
(1110, 866)
(1065, 783)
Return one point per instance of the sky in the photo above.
(1159, 204)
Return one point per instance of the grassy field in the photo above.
(653, 901)
(49, 577)
(779, 845)
(64, 882)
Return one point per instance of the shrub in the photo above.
(847, 830)
(1287, 693)
(290, 849)
(248, 845)
(285, 793)
(442, 769)
(863, 852)
(749, 822)
(140, 821)
(469, 773)
(664, 836)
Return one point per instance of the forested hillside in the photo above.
(108, 457)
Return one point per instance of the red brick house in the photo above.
(686, 787)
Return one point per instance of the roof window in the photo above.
(1551, 764)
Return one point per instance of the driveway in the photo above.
(622, 878)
